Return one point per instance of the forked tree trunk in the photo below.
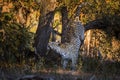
(43, 34)
(43, 31)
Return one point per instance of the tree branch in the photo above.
(96, 24)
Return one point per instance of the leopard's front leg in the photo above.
(74, 62)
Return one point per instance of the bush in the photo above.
(15, 41)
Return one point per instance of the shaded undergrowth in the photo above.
(87, 67)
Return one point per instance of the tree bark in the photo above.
(43, 31)
(43, 34)
(96, 24)
(65, 28)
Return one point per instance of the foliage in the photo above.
(16, 39)
(90, 64)
(108, 11)
(105, 39)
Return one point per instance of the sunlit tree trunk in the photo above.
(87, 41)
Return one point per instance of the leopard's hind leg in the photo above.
(73, 65)
(64, 63)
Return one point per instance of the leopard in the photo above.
(69, 51)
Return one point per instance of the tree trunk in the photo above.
(43, 30)
(65, 28)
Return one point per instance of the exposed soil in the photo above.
(52, 74)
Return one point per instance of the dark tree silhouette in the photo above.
(97, 24)
(44, 28)
(43, 33)
(65, 28)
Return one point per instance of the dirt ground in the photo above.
(50, 74)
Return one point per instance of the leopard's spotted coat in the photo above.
(69, 51)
